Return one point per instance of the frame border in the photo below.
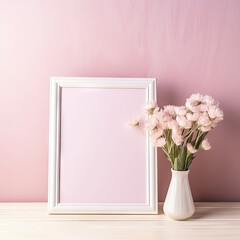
(54, 207)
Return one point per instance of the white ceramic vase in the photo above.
(179, 204)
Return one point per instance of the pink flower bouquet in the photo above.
(180, 130)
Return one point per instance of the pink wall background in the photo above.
(189, 46)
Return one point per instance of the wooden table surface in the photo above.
(31, 221)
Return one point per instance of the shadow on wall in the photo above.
(215, 172)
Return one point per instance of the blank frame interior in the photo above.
(97, 163)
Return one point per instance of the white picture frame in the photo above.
(55, 206)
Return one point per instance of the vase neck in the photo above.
(179, 173)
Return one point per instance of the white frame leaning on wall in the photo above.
(54, 205)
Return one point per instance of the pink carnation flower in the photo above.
(204, 120)
(215, 113)
(205, 129)
(214, 123)
(210, 101)
(202, 107)
(181, 111)
(190, 148)
(193, 117)
(197, 97)
(134, 121)
(157, 134)
(206, 145)
(170, 110)
(183, 122)
(151, 124)
(193, 102)
(150, 107)
(177, 139)
(160, 142)
(176, 130)
(162, 116)
(156, 110)
(172, 124)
